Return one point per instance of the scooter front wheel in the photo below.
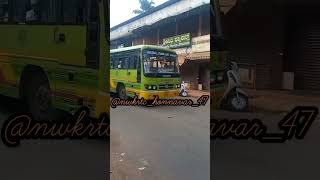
(184, 94)
(238, 103)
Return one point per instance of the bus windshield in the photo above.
(160, 63)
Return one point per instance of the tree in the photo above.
(145, 5)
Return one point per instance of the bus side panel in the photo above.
(76, 87)
(68, 94)
(73, 50)
(126, 77)
(39, 45)
(11, 69)
(132, 75)
(8, 79)
(117, 76)
(133, 87)
(45, 42)
(113, 83)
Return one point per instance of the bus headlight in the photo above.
(151, 87)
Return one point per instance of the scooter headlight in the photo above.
(178, 85)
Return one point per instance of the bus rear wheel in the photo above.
(121, 91)
(38, 97)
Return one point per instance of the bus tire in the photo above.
(38, 96)
(121, 91)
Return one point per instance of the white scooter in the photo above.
(234, 97)
(183, 90)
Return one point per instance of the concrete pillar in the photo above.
(200, 25)
(177, 27)
(158, 36)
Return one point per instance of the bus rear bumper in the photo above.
(162, 94)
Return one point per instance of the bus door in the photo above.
(134, 73)
(118, 64)
(139, 74)
(70, 34)
(77, 34)
(92, 50)
(77, 38)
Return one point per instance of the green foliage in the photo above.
(145, 5)
(218, 60)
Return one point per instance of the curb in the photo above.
(194, 96)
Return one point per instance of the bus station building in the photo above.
(277, 42)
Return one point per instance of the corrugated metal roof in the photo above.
(141, 47)
(159, 13)
(164, 5)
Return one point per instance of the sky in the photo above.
(121, 10)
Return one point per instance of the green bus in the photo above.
(144, 71)
(54, 54)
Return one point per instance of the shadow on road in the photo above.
(251, 160)
(52, 159)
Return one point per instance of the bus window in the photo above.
(115, 63)
(48, 12)
(157, 63)
(4, 11)
(81, 11)
(69, 15)
(138, 69)
(118, 64)
(20, 10)
(107, 15)
(92, 36)
(112, 62)
(93, 21)
(52, 11)
(132, 59)
(123, 63)
(34, 11)
(133, 62)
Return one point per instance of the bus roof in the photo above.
(141, 47)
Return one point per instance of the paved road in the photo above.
(251, 160)
(52, 160)
(170, 143)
